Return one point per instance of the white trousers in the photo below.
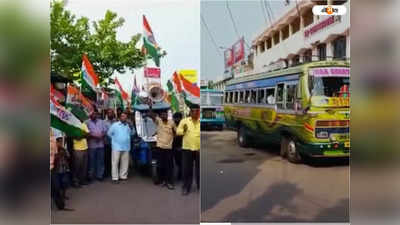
(119, 165)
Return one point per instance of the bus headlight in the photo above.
(322, 134)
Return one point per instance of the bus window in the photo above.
(290, 95)
(253, 96)
(270, 96)
(241, 99)
(235, 100)
(261, 96)
(247, 97)
(279, 96)
(204, 98)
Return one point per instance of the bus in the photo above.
(212, 112)
(305, 109)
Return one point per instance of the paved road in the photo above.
(137, 201)
(254, 185)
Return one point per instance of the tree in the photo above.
(71, 37)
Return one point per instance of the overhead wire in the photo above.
(234, 25)
(211, 37)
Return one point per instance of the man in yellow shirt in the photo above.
(165, 136)
(80, 159)
(189, 128)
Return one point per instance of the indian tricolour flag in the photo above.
(89, 79)
(149, 42)
(190, 91)
(64, 120)
(172, 98)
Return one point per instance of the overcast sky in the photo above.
(177, 29)
(175, 24)
(249, 20)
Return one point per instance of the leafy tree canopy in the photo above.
(71, 37)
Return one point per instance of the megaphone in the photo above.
(156, 93)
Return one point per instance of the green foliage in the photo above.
(71, 37)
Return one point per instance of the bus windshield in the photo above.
(211, 99)
(329, 86)
(329, 81)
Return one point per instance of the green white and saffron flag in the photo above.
(89, 79)
(150, 43)
(64, 120)
(173, 99)
(120, 102)
(190, 92)
(134, 95)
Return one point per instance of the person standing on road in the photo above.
(80, 158)
(165, 135)
(189, 128)
(97, 132)
(120, 134)
(177, 146)
(107, 142)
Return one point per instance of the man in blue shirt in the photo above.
(120, 134)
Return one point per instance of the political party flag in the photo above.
(149, 42)
(64, 120)
(78, 104)
(56, 94)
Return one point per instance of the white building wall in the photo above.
(297, 43)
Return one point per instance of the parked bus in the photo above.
(212, 112)
(305, 109)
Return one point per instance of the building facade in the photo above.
(220, 85)
(299, 36)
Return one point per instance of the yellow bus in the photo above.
(304, 108)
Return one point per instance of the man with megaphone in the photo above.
(166, 129)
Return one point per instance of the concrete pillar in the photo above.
(301, 58)
(330, 2)
(329, 50)
(290, 29)
(301, 22)
(314, 53)
(272, 40)
(265, 44)
(280, 36)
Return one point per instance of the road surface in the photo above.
(256, 185)
(137, 201)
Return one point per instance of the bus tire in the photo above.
(283, 151)
(242, 137)
(292, 152)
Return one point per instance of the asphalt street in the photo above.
(138, 201)
(256, 185)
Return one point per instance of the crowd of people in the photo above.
(105, 149)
